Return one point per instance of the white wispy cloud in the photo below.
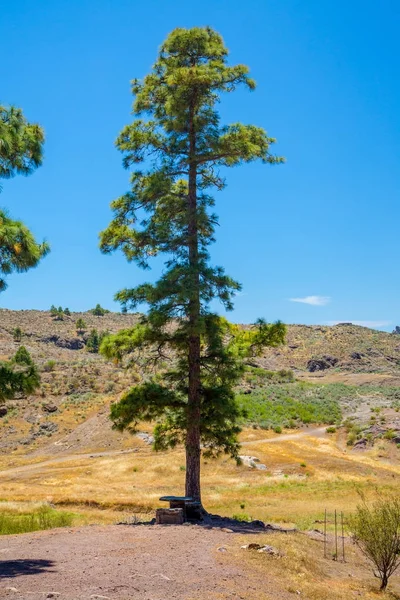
(313, 300)
(371, 324)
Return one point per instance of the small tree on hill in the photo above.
(99, 311)
(80, 326)
(94, 340)
(18, 376)
(67, 312)
(17, 334)
(181, 145)
(376, 531)
(57, 313)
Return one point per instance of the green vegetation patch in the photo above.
(14, 521)
(293, 404)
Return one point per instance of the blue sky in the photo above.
(313, 241)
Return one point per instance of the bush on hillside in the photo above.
(94, 340)
(17, 334)
(99, 311)
(80, 326)
(376, 531)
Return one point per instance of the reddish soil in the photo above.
(122, 562)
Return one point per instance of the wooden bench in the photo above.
(191, 508)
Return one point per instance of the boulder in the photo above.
(321, 364)
(360, 444)
(262, 549)
(146, 437)
(68, 343)
(49, 408)
(47, 427)
(253, 462)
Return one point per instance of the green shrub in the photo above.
(57, 313)
(376, 531)
(331, 429)
(94, 340)
(80, 326)
(17, 334)
(49, 366)
(99, 311)
(258, 375)
(351, 439)
(243, 517)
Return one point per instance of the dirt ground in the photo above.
(123, 562)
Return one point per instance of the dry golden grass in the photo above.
(303, 570)
(304, 476)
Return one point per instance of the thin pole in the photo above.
(344, 559)
(336, 544)
(325, 535)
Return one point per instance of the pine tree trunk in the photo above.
(193, 451)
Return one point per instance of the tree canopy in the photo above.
(21, 151)
(21, 143)
(19, 251)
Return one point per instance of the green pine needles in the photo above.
(177, 147)
(21, 148)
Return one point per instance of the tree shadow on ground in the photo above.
(235, 526)
(15, 568)
(210, 521)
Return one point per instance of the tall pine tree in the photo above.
(178, 140)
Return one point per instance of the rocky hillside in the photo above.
(343, 348)
(70, 411)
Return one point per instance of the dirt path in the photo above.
(128, 562)
(61, 459)
(317, 432)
